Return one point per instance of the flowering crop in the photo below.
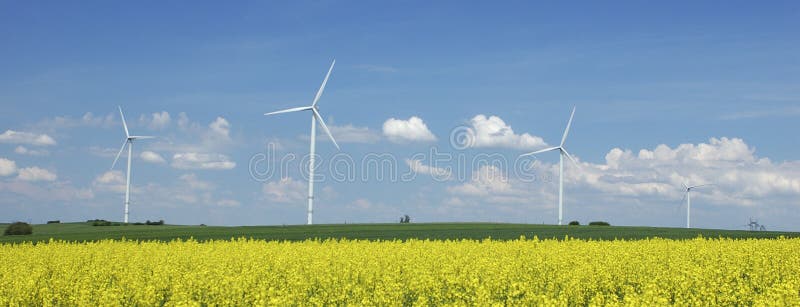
(413, 272)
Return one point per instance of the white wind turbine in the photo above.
(129, 142)
(315, 116)
(563, 152)
(688, 197)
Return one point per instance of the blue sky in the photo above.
(708, 90)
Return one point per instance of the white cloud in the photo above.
(22, 150)
(741, 178)
(17, 137)
(208, 161)
(352, 134)
(492, 131)
(110, 181)
(7, 167)
(109, 177)
(220, 127)
(411, 130)
(156, 121)
(183, 121)
(437, 172)
(35, 174)
(152, 157)
(286, 190)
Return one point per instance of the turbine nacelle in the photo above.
(128, 137)
(314, 108)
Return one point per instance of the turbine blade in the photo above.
(289, 110)
(571, 159)
(685, 186)
(539, 151)
(566, 131)
(324, 82)
(124, 125)
(325, 127)
(119, 153)
(141, 137)
(701, 185)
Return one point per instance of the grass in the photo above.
(439, 231)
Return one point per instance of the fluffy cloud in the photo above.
(7, 167)
(35, 174)
(109, 177)
(17, 137)
(22, 150)
(207, 161)
(411, 130)
(286, 190)
(420, 168)
(739, 176)
(220, 127)
(492, 131)
(152, 157)
(156, 121)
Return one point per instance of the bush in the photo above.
(18, 229)
(160, 222)
(405, 219)
(599, 223)
(54, 222)
(574, 223)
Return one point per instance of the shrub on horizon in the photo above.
(18, 229)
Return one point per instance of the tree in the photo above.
(18, 228)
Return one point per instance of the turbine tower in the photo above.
(315, 117)
(128, 142)
(688, 197)
(563, 153)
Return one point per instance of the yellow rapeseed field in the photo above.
(336, 272)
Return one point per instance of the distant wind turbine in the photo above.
(563, 152)
(688, 197)
(129, 142)
(315, 116)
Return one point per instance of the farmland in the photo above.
(434, 231)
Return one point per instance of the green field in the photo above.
(441, 231)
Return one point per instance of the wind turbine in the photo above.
(563, 152)
(315, 116)
(688, 197)
(129, 142)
